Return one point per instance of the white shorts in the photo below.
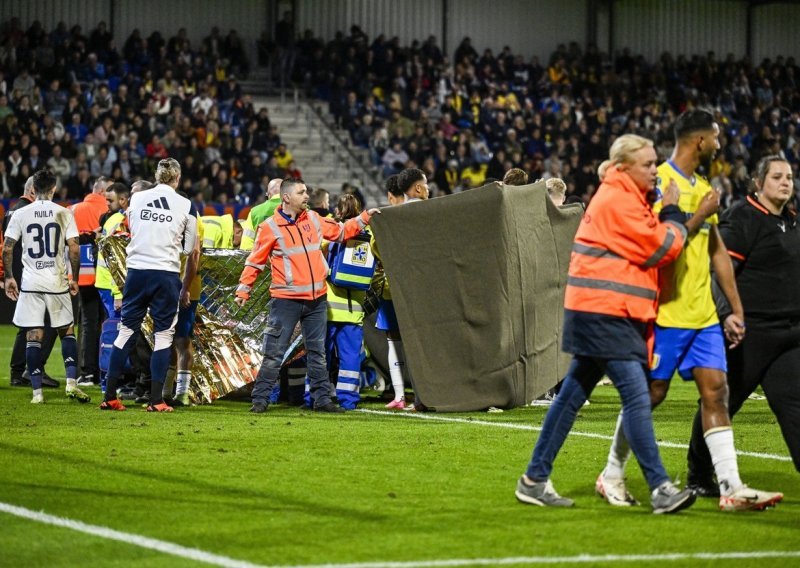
(31, 307)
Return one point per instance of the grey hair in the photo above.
(141, 185)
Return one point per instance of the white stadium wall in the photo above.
(684, 27)
(775, 31)
(529, 27)
(86, 13)
(247, 17)
(408, 20)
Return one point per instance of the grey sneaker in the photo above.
(540, 493)
(666, 498)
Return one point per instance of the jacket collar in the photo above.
(284, 219)
(621, 180)
(752, 201)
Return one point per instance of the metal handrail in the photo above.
(370, 182)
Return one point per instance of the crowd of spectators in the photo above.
(470, 118)
(85, 108)
(79, 105)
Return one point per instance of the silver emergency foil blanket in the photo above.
(227, 338)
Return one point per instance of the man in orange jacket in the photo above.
(87, 218)
(290, 241)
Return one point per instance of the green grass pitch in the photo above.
(293, 488)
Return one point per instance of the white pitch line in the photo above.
(128, 538)
(511, 425)
(219, 560)
(579, 559)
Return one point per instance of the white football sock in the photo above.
(618, 454)
(723, 456)
(184, 380)
(72, 383)
(396, 364)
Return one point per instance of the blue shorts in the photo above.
(387, 318)
(684, 349)
(156, 290)
(185, 325)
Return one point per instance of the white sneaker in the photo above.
(747, 499)
(37, 399)
(75, 393)
(614, 491)
(545, 400)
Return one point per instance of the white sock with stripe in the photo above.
(396, 364)
(618, 454)
(184, 380)
(723, 456)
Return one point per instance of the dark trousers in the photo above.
(769, 356)
(91, 316)
(20, 343)
(283, 317)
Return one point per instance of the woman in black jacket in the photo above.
(763, 240)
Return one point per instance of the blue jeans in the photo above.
(283, 317)
(631, 381)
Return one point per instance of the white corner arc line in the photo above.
(511, 425)
(127, 538)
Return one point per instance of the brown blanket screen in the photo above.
(478, 281)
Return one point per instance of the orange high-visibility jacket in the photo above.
(299, 268)
(87, 219)
(619, 246)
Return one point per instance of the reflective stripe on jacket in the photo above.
(248, 234)
(293, 248)
(345, 305)
(218, 231)
(617, 251)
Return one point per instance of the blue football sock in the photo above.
(33, 359)
(69, 350)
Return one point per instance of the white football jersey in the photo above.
(43, 229)
(163, 226)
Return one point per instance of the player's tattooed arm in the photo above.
(8, 255)
(75, 264)
(10, 284)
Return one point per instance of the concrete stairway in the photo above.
(323, 153)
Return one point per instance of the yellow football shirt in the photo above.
(685, 299)
(194, 287)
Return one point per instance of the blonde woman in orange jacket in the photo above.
(610, 302)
